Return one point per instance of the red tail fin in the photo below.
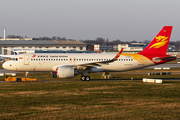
(160, 43)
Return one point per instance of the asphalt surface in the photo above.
(8, 71)
(110, 80)
(164, 66)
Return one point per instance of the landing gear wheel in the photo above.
(83, 78)
(87, 78)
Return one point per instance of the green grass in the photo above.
(90, 100)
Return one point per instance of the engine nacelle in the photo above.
(66, 72)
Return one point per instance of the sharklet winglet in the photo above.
(118, 55)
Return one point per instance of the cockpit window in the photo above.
(14, 59)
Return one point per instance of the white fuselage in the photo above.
(50, 61)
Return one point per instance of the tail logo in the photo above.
(161, 41)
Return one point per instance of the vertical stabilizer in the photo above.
(160, 43)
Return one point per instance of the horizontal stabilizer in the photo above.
(157, 59)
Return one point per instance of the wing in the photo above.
(8, 56)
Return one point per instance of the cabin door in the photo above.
(26, 59)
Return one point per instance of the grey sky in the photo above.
(125, 20)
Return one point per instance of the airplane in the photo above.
(67, 65)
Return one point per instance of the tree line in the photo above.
(102, 41)
(39, 38)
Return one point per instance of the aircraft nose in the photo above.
(4, 65)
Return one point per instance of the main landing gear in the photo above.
(85, 78)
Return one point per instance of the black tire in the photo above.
(18, 80)
(87, 78)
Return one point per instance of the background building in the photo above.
(132, 47)
(7, 47)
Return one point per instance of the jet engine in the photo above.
(65, 72)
